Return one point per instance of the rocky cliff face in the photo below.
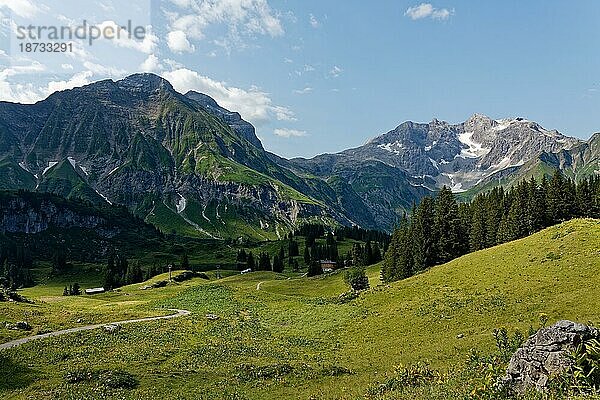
(19, 217)
(44, 222)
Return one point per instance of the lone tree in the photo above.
(76, 289)
(357, 278)
(314, 268)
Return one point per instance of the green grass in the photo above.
(294, 338)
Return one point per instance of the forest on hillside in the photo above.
(440, 229)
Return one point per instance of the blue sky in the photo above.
(322, 76)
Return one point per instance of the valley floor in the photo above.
(296, 338)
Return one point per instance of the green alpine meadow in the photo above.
(260, 199)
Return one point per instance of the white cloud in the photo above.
(28, 93)
(147, 45)
(105, 71)
(427, 10)
(173, 64)
(67, 66)
(288, 133)
(151, 64)
(335, 71)
(243, 18)
(308, 68)
(288, 60)
(306, 90)
(313, 21)
(34, 67)
(106, 7)
(79, 79)
(179, 43)
(254, 105)
(23, 8)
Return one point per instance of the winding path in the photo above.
(18, 342)
(289, 278)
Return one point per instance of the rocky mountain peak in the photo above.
(479, 122)
(145, 83)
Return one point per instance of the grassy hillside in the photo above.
(294, 338)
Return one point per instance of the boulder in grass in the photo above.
(111, 328)
(545, 355)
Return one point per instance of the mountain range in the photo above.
(187, 165)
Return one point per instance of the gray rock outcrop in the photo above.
(544, 355)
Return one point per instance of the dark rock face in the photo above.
(21, 216)
(544, 355)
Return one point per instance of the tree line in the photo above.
(440, 229)
(263, 262)
(15, 266)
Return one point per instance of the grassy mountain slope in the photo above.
(280, 338)
(12, 176)
(63, 180)
(136, 142)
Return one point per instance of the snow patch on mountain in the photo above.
(395, 147)
(103, 196)
(181, 204)
(434, 163)
(50, 165)
(112, 171)
(474, 149)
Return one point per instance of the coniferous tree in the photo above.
(185, 262)
(537, 205)
(357, 278)
(306, 255)
(422, 231)
(109, 273)
(76, 289)
(59, 260)
(491, 218)
(376, 253)
(277, 263)
(250, 263)
(357, 255)
(447, 228)
(264, 262)
(314, 268)
(368, 254)
(556, 203)
(293, 248)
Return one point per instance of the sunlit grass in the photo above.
(284, 340)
